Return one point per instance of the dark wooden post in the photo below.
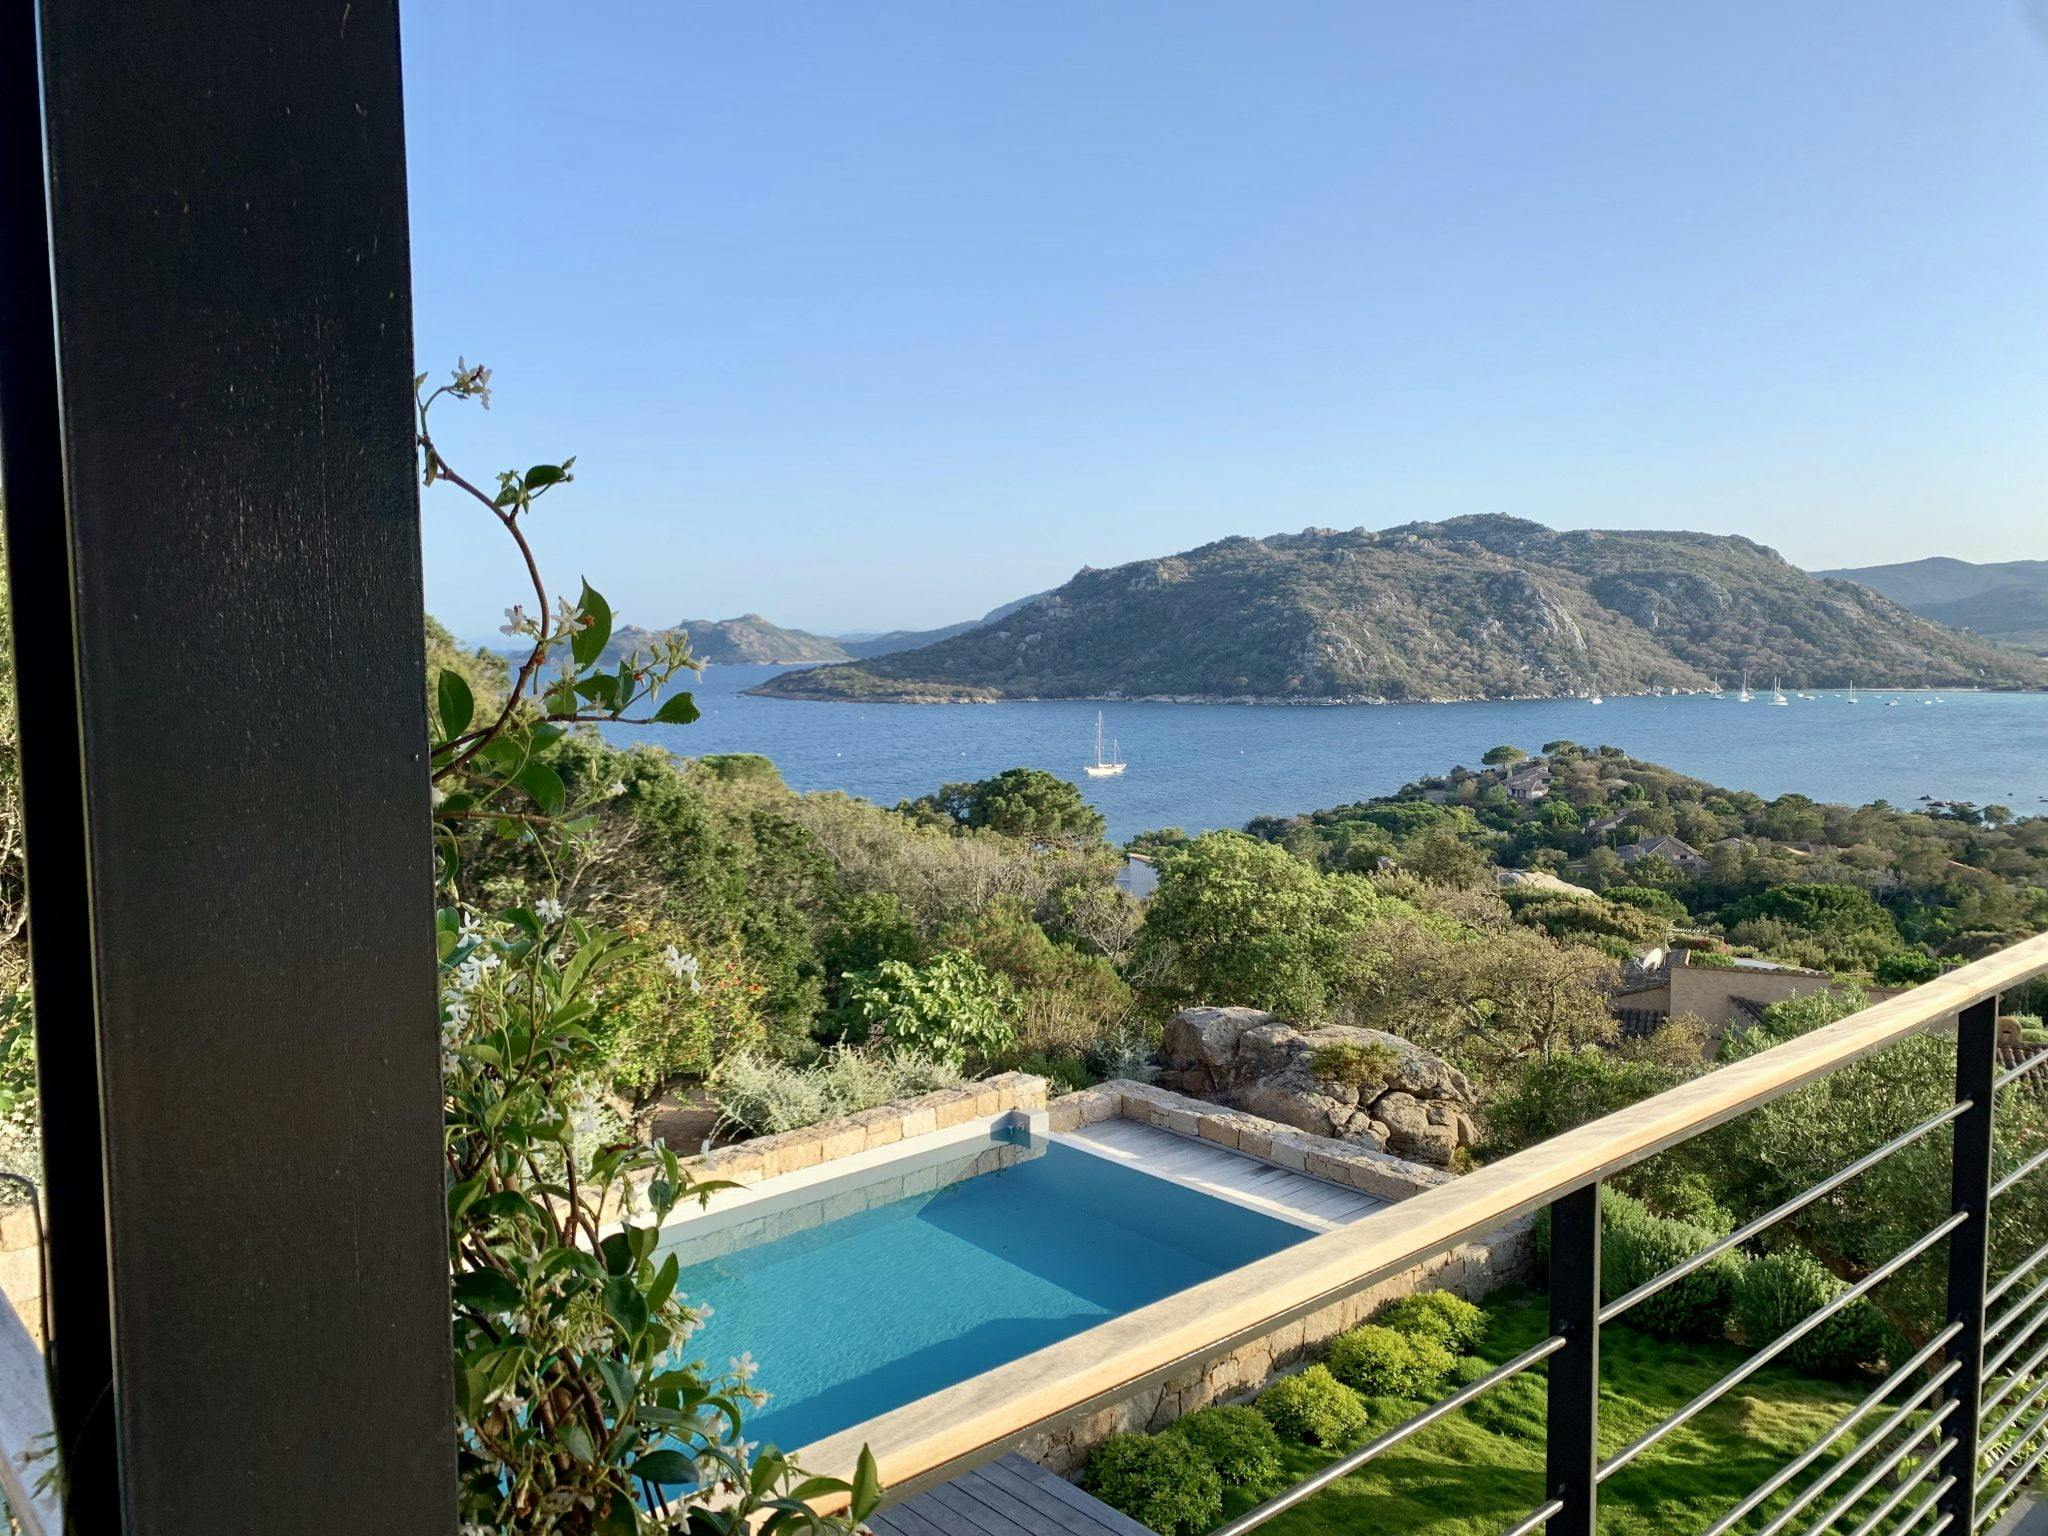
(1969, 1249)
(238, 998)
(1572, 1417)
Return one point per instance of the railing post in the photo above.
(1573, 1413)
(1968, 1252)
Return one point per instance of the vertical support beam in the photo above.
(1969, 1248)
(240, 562)
(79, 1351)
(1572, 1459)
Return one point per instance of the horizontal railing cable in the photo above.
(1537, 1521)
(2013, 1074)
(2019, 1173)
(1987, 1508)
(2011, 1453)
(2019, 1411)
(1904, 1491)
(2017, 1310)
(2015, 1377)
(1343, 1466)
(1883, 1469)
(1770, 1218)
(2018, 1272)
(1849, 1421)
(2012, 1345)
(1779, 1345)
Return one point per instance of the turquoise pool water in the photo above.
(868, 1293)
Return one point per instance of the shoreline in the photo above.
(761, 691)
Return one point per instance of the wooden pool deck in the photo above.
(1226, 1174)
(1010, 1497)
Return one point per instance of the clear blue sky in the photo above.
(865, 313)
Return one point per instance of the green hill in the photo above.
(2004, 600)
(1478, 607)
(748, 640)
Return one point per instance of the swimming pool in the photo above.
(862, 1293)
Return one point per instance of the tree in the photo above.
(1025, 803)
(1240, 922)
(952, 1008)
(1502, 756)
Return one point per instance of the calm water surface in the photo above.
(1200, 766)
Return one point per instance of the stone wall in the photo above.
(21, 1267)
(766, 1157)
(1473, 1269)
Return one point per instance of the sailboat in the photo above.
(1104, 767)
(1778, 694)
(1852, 695)
(1743, 696)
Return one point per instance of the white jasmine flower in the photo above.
(548, 910)
(516, 621)
(681, 965)
(743, 1365)
(458, 1011)
(472, 925)
(468, 974)
(618, 788)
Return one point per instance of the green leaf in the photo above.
(817, 1487)
(460, 1196)
(485, 1290)
(628, 1308)
(665, 1467)
(867, 1487)
(588, 643)
(454, 702)
(676, 709)
(576, 1441)
(545, 474)
(544, 785)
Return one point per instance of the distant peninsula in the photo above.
(752, 641)
(1486, 607)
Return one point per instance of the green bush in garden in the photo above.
(1238, 1442)
(1163, 1481)
(1382, 1363)
(1781, 1290)
(1315, 1406)
(1449, 1320)
(1637, 1246)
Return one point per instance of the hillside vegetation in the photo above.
(1478, 607)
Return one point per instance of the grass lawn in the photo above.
(1481, 1470)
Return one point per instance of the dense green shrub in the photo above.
(1315, 1406)
(675, 1008)
(1382, 1363)
(952, 1008)
(1780, 1290)
(1163, 1481)
(1349, 1064)
(1238, 1442)
(1449, 1320)
(1649, 898)
(1636, 1246)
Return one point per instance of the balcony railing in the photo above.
(1979, 1430)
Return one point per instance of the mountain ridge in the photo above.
(2004, 600)
(1474, 607)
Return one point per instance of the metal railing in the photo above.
(1972, 1427)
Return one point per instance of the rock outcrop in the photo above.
(1361, 1085)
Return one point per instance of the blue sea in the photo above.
(1201, 766)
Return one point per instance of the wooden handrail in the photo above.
(960, 1425)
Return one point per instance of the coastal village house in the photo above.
(1664, 846)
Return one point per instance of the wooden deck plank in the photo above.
(973, 1516)
(1053, 1514)
(1114, 1520)
(1225, 1173)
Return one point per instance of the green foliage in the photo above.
(1350, 1064)
(1845, 920)
(1662, 903)
(1237, 1441)
(1025, 803)
(766, 1096)
(1780, 1290)
(951, 1008)
(1239, 922)
(1382, 1362)
(1449, 1320)
(1637, 1246)
(674, 1008)
(1162, 1481)
(1063, 1002)
(1495, 757)
(1313, 1405)
(1538, 1098)
(1907, 968)
(571, 1401)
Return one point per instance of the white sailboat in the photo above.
(1743, 696)
(1852, 695)
(1103, 767)
(1778, 694)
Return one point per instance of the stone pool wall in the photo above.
(1472, 1269)
(766, 1157)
